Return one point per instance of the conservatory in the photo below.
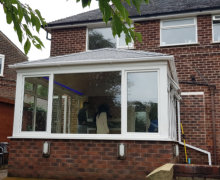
(64, 97)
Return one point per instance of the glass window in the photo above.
(1, 66)
(87, 103)
(142, 102)
(35, 104)
(216, 28)
(102, 38)
(181, 31)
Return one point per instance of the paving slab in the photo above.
(3, 174)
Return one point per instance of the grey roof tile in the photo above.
(94, 55)
(154, 8)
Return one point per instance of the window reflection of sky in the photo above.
(216, 29)
(142, 87)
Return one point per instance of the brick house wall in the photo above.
(83, 159)
(12, 55)
(7, 85)
(67, 41)
(203, 57)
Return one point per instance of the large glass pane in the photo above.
(216, 32)
(184, 35)
(178, 22)
(122, 42)
(101, 38)
(35, 104)
(87, 103)
(142, 105)
(0, 65)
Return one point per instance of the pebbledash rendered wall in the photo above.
(94, 159)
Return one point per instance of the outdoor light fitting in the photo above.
(121, 151)
(46, 149)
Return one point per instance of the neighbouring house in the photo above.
(9, 54)
(101, 109)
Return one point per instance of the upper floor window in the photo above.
(1, 65)
(178, 31)
(216, 28)
(102, 38)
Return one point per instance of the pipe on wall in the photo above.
(212, 89)
(187, 145)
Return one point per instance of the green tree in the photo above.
(24, 18)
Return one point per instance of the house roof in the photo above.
(154, 8)
(100, 56)
(10, 42)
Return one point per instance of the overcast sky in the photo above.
(51, 10)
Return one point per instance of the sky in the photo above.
(51, 10)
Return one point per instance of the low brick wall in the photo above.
(87, 159)
(200, 172)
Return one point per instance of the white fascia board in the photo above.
(101, 23)
(88, 62)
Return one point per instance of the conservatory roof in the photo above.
(100, 56)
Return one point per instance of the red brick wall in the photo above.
(66, 41)
(7, 85)
(189, 59)
(12, 55)
(86, 159)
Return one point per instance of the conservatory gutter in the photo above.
(91, 62)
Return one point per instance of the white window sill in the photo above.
(170, 45)
(148, 137)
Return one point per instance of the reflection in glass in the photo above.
(142, 102)
(216, 31)
(179, 35)
(35, 104)
(78, 99)
(0, 65)
(178, 22)
(101, 38)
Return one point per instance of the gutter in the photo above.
(187, 145)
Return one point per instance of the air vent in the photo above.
(216, 19)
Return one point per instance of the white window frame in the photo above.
(213, 18)
(131, 46)
(2, 57)
(163, 120)
(179, 26)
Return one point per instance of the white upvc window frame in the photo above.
(163, 120)
(178, 26)
(213, 18)
(2, 59)
(129, 46)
